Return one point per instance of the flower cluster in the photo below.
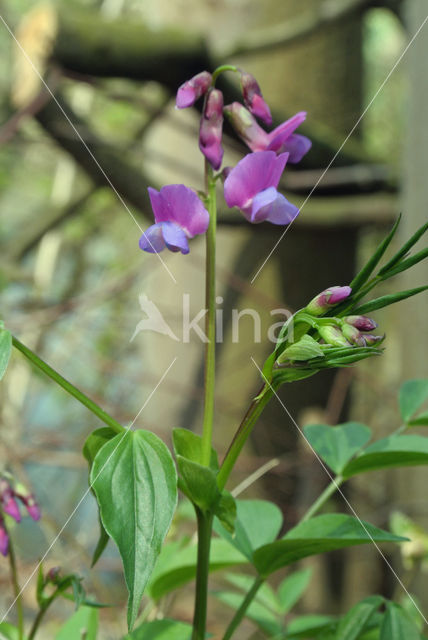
(10, 493)
(251, 185)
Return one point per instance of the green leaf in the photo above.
(257, 612)
(292, 588)
(404, 249)
(397, 625)
(161, 630)
(356, 620)
(225, 510)
(412, 395)
(420, 420)
(337, 445)
(134, 479)
(393, 451)
(265, 595)
(5, 350)
(177, 565)
(92, 445)
(385, 301)
(8, 631)
(406, 264)
(84, 620)
(309, 626)
(368, 268)
(200, 483)
(304, 349)
(317, 535)
(257, 523)
(189, 445)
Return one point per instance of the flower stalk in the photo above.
(16, 590)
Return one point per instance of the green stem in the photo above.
(70, 388)
(237, 618)
(16, 589)
(205, 522)
(322, 499)
(210, 324)
(36, 623)
(241, 436)
(219, 70)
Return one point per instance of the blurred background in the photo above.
(73, 195)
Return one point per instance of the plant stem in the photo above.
(322, 499)
(36, 623)
(67, 386)
(237, 618)
(16, 589)
(210, 324)
(205, 522)
(241, 436)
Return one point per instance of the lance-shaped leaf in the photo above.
(292, 588)
(84, 623)
(309, 626)
(406, 264)
(337, 445)
(385, 301)
(8, 631)
(412, 395)
(134, 479)
(161, 630)
(368, 268)
(394, 451)
(401, 253)
(5, 350)
(317, 535)
(358, 618)
(397, 624)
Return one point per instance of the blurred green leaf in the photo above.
(412, 395)
(189, 445)
(397, 625)
(420, 420)
(134, 479)
(385, 301)
(337, 445)
(292, 588)
(5, 350)
(309, 626)
(257, 612)
(161, 630)
(84, 620)
(352, 625)
(8, 631)
(404, 249)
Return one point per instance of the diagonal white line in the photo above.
(342, 495)
(85, 494)
(397, 62)
(66, 116)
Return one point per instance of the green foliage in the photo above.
(5, 349)
(336, 446)
(84, 621)
(317, 535)
(393, 451)
(292, 588)
(309, 626)
(412, 395)
(135, 482)
(397, 625)
(161, 630)
(8, 631)
(355, 622)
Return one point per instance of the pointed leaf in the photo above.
(385, 301)
(404, 249)
(85, 620)
(317, 535)
(412, 395)
(304, 349)
(407, 264)
(397, 625)
(337, 445)
(189, 445)
(265, 595)
(394, 451)
(366, 271)
(200, 483)
(258, 613)
(257, 522)
(134, 479)
(5, 350)
(225, 510)
(161, 630)
(420, 420)
(8, 631)
(356, 620)
(309, 626)
(292, 588)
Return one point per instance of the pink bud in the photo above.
(210, 132)
(247, 127)
(193, 89)
(28, 500)
(328, 298)
(4, 540)
(372, 340)
(253, 98)
(361, 322)
(10, 506)
(353, 335)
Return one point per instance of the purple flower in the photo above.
(363, 323)
(8, 503)
(253, 98)
(4, 539)
(211, 129)
(326, 299)
(282, 139)
(179, 215)
(193, 89)
(28, 500)
(251, 186)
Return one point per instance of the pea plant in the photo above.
(136, 479)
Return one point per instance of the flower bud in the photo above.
(53, 575)
(4, 539)
(333, 335)
(353, 335)
(28, 500)
(361, 322)
(246, 126)
(193, 89)
(372, 340)
(326, 299)
(210, 132)
(8, 503)
(253, 98)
